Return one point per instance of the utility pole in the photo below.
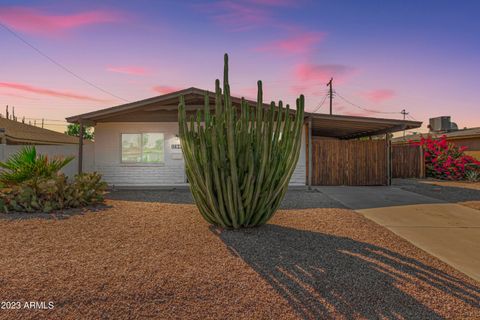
(330, 84)
(404, 112)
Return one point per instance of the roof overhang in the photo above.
(336, 126)
(349, 127)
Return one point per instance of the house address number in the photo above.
(176, 146)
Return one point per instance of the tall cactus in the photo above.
(239, 161)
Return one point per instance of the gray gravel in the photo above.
(449, 194)
(297, 198)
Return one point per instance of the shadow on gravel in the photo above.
(445, 193)
(358, 280)
(294, 199)
(177, 196)
(59, 215)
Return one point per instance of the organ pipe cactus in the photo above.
(239, 160)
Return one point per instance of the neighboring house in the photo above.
(469, 138)
(137, 144)
(15, 135)
(18, 133)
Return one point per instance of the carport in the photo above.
(350, 150)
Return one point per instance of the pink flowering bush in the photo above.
(444, 160)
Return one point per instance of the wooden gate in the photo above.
(407, 161)
(349, 162)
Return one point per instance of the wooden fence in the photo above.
(349, 162)
(407, 161)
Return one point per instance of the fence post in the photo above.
(80, 147)
(389, 158)
(422, 163)
(309, 155)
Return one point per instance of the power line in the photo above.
(61, 66)
(52, 120)
(363, 108)
(411, 117)
(320, 104)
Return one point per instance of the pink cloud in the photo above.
(301, 43)
(133, 70)
(166, 89)
(236, 15)
(274, 2)
(379, 95)
(15, 95)
(34, 21)
(47, 92)
(323, 72)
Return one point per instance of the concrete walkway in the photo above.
(448, 231)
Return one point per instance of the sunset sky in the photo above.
(385, 56)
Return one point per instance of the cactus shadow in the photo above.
(56, 215)
(322, 275)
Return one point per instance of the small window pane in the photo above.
(153, 147)
(131, 147)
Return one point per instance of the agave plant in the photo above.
(27, 164)
(239, 161)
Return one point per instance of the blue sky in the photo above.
(383, 55)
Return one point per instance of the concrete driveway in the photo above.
(448, 231)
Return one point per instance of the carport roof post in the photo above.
(164, 109)
(80, 146)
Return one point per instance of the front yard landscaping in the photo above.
(140, 259)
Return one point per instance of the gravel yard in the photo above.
(138, 258)
(464, 193)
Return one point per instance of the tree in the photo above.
(73, 130)
(239, 162)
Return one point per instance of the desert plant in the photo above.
(27, 164)
(53, 193)
(472, 175)
(239, 162)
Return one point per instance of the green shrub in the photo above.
(51, 194)
(27, 165)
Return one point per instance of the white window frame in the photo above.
(141, 163)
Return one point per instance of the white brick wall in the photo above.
(299, 176)
(108, 156)
(171, 173)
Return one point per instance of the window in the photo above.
(142, 147)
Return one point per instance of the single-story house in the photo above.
(137, 144)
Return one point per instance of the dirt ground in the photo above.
(137, 260)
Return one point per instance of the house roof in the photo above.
(452, 135)
(338, 126)
(21, 133)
